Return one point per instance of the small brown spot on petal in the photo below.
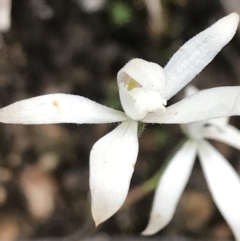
(56, 105)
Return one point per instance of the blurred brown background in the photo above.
(77, 47)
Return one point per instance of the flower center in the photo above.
(132, 84)
(141, 85)
(137, 101)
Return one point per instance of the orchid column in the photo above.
(144, 90)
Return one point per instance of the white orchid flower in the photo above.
(223, 181)
(144, 88)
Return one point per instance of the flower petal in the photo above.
(170, 187)
(112, 161)
(224, 184)
(229, 135)
(197, 53)
(59, 108)
(147, 74)
(206, 104)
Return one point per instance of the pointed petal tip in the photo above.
(234, 17)
(231, 22)
(96, 222)
(98, 219)
(148, 232)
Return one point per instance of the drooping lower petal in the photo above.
(229, 135)
(224, 184)
(197, 53)
(170, 187)
(59, 108)
(112, 161)
(206, 104)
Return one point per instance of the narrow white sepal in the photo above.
(197, 53)
(224, 184)
(112, 161)
(229, 135)
(206, 104)
(170, 187)
(59, 108)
